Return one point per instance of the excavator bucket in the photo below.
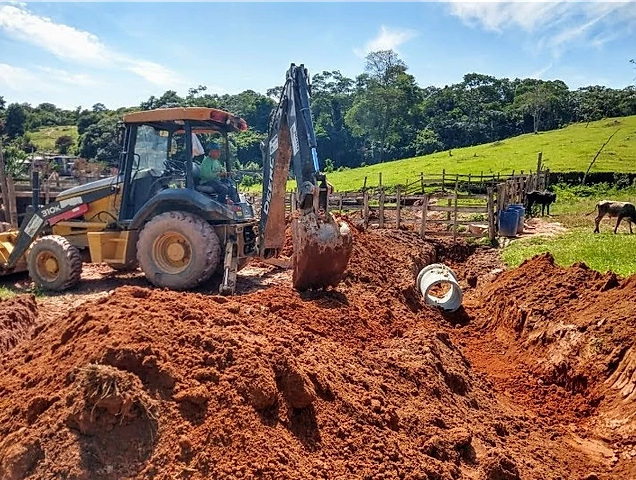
(322, 248)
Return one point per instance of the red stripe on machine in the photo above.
(76, 212)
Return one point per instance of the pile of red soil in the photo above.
(356, 382)
(565, 341)
(17, 317)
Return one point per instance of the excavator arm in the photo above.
(322, 245)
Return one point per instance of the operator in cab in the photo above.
(212, 170)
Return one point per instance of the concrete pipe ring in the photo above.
(436, 277)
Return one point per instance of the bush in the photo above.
(15, 160)
(63, 143)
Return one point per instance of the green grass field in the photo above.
(44, 138)
(568, 149)
(602, 252)
(575, 203)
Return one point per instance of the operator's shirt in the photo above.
(210, 169)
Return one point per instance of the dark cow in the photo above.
(545, 199)
(620, 210)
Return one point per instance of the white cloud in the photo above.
(387, 39)
(63, 76)
(16, 78)
(498, 16)
(155, 73)
(69, 43)
(61, 40)
(555, 26)
(539, 73)
(42, 83)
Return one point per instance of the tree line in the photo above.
(382, 114)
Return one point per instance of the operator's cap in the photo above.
(214, 146)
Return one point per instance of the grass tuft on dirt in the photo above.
(5, 293)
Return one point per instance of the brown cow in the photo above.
(615, 209)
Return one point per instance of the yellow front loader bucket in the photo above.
(7, 241)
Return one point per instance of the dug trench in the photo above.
(361, 381)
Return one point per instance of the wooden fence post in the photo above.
(491, 216)
(364, 187)
(12, 208)
(422, 181)
(292, 201)
(443, 179)
(398, 211)
(468, 188)
(455, 211)
(4, 187)
(424, 214)
(539, 160)
(340, 204)
(380, 179)
(365, 208)
(381, 208)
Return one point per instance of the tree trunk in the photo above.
(4, 186)
(383, 132)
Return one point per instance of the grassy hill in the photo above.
(568, 149)
(44, 138)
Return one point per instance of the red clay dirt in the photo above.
(17, 316)
(561, 342)
(362, 381)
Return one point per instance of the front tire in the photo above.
(178, 250)
(54, 263)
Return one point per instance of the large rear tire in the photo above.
(54, 263)
(178, 250)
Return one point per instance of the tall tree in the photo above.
(63, 143)
(380, 97)
(332, 96)
(15, 121)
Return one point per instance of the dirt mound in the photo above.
(17, 316)
(385, 264)
(474, 264)
(150, 383)
(355, 382)
(566, 338)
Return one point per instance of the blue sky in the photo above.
(119, 54)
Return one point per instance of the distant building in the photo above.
(63, 164)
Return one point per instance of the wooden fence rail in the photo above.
(453, 211)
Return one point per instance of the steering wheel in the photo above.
(175, 167)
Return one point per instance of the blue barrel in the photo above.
(508, 222)
(522, 214)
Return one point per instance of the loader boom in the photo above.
(50, 214)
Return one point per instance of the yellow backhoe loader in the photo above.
(158, 215)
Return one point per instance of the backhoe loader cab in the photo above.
(154, 214)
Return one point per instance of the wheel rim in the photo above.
(48, 266)
(172, 252)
